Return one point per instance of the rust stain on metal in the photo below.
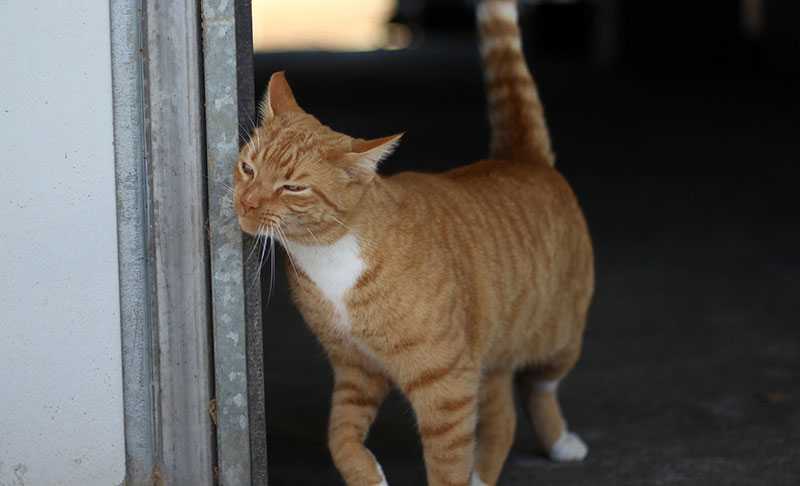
(158, 477)
(213, 410)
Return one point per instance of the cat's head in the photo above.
(295, 173)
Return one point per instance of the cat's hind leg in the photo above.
(497, 422)
(357, 394)
(540, 391)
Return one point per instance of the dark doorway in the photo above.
(682, 147)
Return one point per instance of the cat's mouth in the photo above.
(256, 226)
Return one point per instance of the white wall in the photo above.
(61, 419)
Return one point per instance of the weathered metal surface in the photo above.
(164, 275)
(255, 343)
(225, 242)
(129, 154)
(174, 102)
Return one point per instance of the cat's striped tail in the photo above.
(519, 131)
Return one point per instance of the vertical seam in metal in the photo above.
(130, 141)
(229, 298)
(177, 242)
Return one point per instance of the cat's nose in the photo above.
(250, 202)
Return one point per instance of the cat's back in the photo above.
(512, 236)
(516, 216)
(500, 188)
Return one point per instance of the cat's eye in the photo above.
(293, 188)
(247, 168)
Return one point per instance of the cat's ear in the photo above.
(365, 155)
(279, 98)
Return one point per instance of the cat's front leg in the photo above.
(444, 397)
(357, 394)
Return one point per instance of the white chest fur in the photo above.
(334, 269)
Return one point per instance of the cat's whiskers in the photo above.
(341, 223)
(228, 188)
(259, 237)
(247, 138)
(271, 258)
(268, 253)
(287, 245)
(258, 139)
(244, 134)
(361, 239)
(272, 266)
(313, 235)
(251, 117)
(260, 265)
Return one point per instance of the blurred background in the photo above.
(677, 125)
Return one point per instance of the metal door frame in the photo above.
(190, 305)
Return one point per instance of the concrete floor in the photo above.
(689, 375)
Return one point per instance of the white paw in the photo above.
(569, 447)
(383, 476)
(476, 480)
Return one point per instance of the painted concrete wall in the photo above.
(61, 418)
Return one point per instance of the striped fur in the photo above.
(519, 131)
(442, 285)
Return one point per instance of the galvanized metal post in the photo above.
(183, 381)
(129, 154)
(236, 290)
(179, 268)
(227, 289)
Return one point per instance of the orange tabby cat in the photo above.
(444, 285)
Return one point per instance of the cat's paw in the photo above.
(568, 448)
(383, 476)
(476, 480)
